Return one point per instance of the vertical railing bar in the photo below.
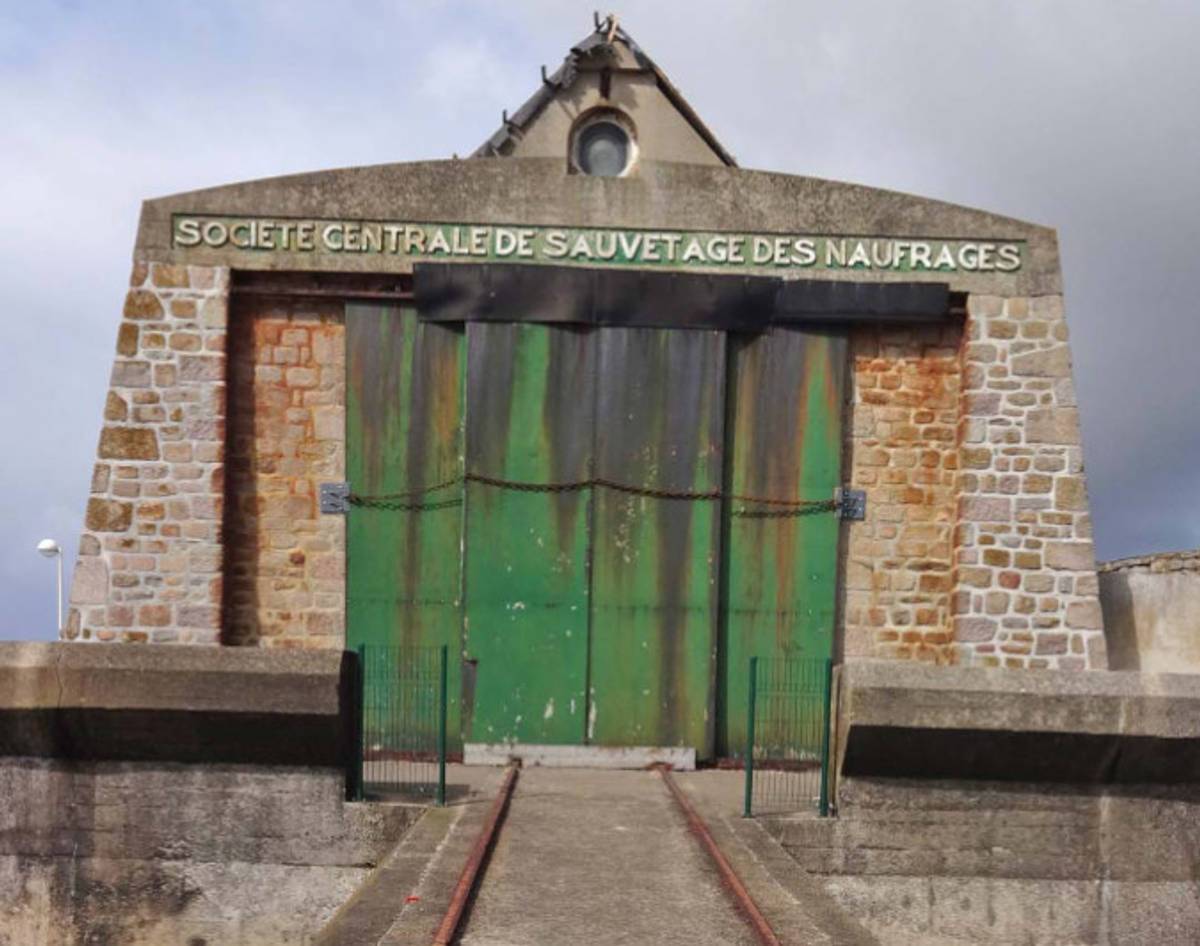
(823, 805)
(441, 746)
(748, 804)
(360, 735)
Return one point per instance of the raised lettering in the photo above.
(1009, 258)
(215, 233)
(188, 232)
(555, 245)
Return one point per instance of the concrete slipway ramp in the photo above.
(587, 856)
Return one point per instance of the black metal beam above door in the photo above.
(486, 292)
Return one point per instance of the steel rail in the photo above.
(469, 878)
(733, 884)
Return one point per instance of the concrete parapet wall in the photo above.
(979, 806)
(1050, 726)
(177, 795)
(144, 854)
(174, 704)
(1152, 612)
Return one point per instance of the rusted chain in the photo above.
(379, 502)
(790, 507)
(825, 505)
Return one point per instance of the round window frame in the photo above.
(599, 117)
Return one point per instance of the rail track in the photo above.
(522, 878)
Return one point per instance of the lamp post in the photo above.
(50, 549)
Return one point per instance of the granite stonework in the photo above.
(285, 561)
(1025, 587)
(976, 547)
(150, 556)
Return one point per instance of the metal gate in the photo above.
(787, 735)
(402, 722)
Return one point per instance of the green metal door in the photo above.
(654, 602)
(404, 432)
(530, 398)
(780, 576)
(592, 614)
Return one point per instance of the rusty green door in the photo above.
(530, 399)
(404, 432)
(592, 615)
(654, 602)
(780, 575)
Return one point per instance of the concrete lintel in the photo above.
(580, 757)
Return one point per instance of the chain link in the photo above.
(400, 502)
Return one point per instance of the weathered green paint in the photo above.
(404, 431)
(609, 618)
(780, 573)
(529, 419)
(659, 421)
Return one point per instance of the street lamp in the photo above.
(50, 549)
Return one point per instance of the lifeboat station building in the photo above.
(602, 412)
(606, 435)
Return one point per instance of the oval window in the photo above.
(603, 149)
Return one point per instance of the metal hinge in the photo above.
(852, 503)
(335, 498)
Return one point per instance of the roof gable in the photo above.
(607, 70)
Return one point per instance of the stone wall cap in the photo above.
(168, 677)
(1186, 560)
(890, 694)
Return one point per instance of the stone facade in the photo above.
(1026, 593)
(901, 448)
(285, 561)
(150, 557)
(977, 547)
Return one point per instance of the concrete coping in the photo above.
(909, 720)
(127, 676)
(204, 705)
(898, 694)
(1187, 560)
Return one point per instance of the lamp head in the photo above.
(48, 548)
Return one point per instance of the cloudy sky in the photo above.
(1081, 115)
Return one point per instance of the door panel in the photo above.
(659, 420)
(404, 431)
(785, 417)
(529, 419)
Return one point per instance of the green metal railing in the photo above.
(787, 736)
(402, 731)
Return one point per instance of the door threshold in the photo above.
(680, 758)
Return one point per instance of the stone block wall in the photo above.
(901, 447)
(1026, 592)
(977, 546)
(285, 561)
(149, 565)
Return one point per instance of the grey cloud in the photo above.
(1078, 115)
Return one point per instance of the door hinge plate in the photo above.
(852, 504)
(335, 498)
